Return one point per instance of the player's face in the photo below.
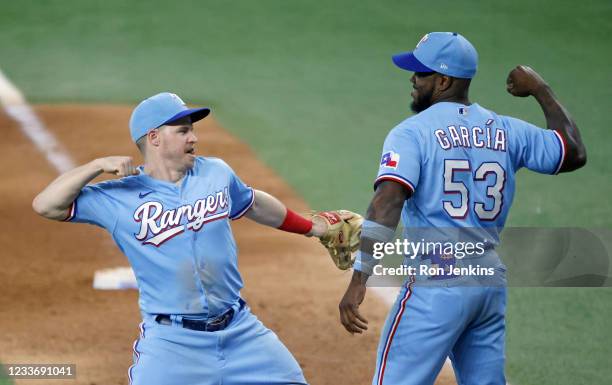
(177, 143)
(423, 88)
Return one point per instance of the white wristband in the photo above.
(365, 262)
(377, 232)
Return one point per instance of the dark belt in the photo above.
(211, 325)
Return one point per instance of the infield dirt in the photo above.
(51, 314)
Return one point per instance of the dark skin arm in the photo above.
(385, 209)
(524, 81)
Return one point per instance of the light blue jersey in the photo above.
(177, 238)
(179, 242)
(196, 329)
(459, 162)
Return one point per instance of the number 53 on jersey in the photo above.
(486, 210)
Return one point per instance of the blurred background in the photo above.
(310, 86)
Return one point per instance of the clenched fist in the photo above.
(524, 81)
(117, 165)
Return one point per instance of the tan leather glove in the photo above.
(342, 236)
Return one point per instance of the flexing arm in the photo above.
(524, 81)
(385, 209)
(55, 200)
(269, 211)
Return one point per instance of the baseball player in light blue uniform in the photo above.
(171, 218)
(452, 166)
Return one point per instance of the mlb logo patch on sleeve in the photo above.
(390, 159)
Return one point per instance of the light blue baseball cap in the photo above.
(160, 109)
(447, 53)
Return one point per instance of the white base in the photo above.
(118, 278)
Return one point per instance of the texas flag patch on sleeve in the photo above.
(390, 159)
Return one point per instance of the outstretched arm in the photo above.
(385, 211)
(524, 81)
(55, 200)
(269, 211)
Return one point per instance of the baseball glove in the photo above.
(342, 236)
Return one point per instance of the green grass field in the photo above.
(4, 379)
(311, 87)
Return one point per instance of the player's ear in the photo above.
(153, 137)
(443, 82)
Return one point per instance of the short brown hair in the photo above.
(142, 144)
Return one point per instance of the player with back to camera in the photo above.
(170, 218)
(452, 166)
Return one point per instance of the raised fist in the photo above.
(524, 81)
(117, 165)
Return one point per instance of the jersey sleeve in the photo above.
(242, 196)
(94, 205)
(538, 149)
(401, 158)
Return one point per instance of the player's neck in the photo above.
(452, 95)
(165, 172)
(453, 99)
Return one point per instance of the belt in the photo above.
(211, 325)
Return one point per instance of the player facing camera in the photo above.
(171, 218)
